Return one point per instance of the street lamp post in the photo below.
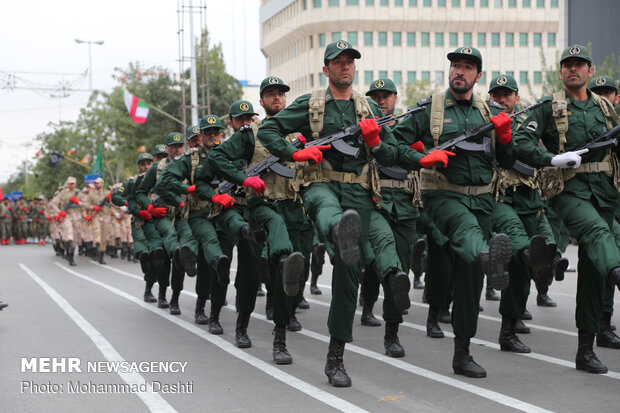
(90, 61)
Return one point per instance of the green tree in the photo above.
(417, 91)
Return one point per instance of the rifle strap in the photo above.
(436, 116)
(316, 109)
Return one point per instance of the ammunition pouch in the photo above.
(433, 180)
(507, 178)
(551, 182)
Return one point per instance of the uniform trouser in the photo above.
(153, 237)
(76, 220)
(5, 230)
(175, 235)
(560, 232)
(17, 230)
(140, 241)
(468, 231)
(207, 283)
(204, 232)
(322, 202)
(174, 278)
(66, 229)
(610, 289)
(598, 253)
(126, 233)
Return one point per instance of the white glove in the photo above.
(568, 159)
(124, 208)
(117, 215)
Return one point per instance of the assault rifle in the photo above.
(603, 141)
(464, 142)
(71, 204)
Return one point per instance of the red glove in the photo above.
(97, 208)
(436, 157)
(36, 220)
(74, 200)
(42, 212)
(58, 218)
(502, 127)
(50, 218)
(24, 209)
(3, 215)
(191, 189)
(144, 215)
(156, 212)
(88, 218)
(255, 183)
(223, 199)
(109, 197)
(311, 153)
(62, 214)
(19, 217)
(10, 209)
(302, 139)
(370, 132)
(126, 203)
(182, 204)
(417, 146)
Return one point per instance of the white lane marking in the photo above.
(478, 391)
(153, 400)
(276, 373)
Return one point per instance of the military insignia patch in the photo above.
(533, 125)
(502, 80)
(600, 81)
(244, 106)
(196, 129)
(273, 81)
(379, 84)
(202, 155)
(487, 145)
(342, 45)
(466, 50)
(574, 50)
(211, 120)
(176, 138)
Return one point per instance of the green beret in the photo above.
(160, 150)
(601, 82)
(382, 84)
(467, 52)
(578, 51)
(210, 121)
(273, 81)
(241, 107)
(505, 81)
(334, 49)
(175, 138)
(145, 156)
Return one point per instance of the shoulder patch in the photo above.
(532, 126)
(425, 101)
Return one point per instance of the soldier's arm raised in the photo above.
(170, 184)
(530, 132)
(145, 186)
(222, 158)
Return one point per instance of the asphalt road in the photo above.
(92, 317)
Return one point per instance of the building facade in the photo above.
(408, 40)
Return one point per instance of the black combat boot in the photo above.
(444, 315)
(221, 266)
(539, 255)
(417, 283)
(214, 320)
(99, 254)
(293, 324)
(417, 262)
(303, 304)
(614, 277)
(199, 312)
(260, 292)
(334, 368)
(70, 252)
(521, 328)
(124, 250)
(314, 289)
(586, 359)
(145, 262)
(542, 299)
(526, 315)
(242, 340)
(186, 260)
(90, 250)
(253, 233)
(174, 303)
(130, 253)
(508, 340)
(559, 266)
(346, 235)
(148, 296)
(491, 295)
(292, 270)
(269, 305)
(317, 261)
(114, 249)
(161, 300)
(400, 285)
(463, 363)
(391, 342)
(280, 353)
(432, 325)
(494, 263)
(81, 249)
(368, 318)
(606, 337)
(158, 258)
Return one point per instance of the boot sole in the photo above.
(541, 254)
(400, 286)
(560, 269)
(175, 311)
(222, 269)
(511, 349)
(464, 373)
(349, 231)
(500, 253)
(338, 384)
(188, 260)
(582, 367)
(292, 273)
(283, 362)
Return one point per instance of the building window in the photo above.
(498, 4)
(438, 39)
(484, 3)
(367, 38)
(398, 77)
(355, 78)
(411, 76)
(439, 77)
(510, 73)
(352, 2)
(554, 4)
(413, 3)
(551, 39)
(334, 3)
(425, 38)
(382, 38)
(512, 3)
(469, 3)
(426, 76)
(441, 3)
(510, 39)
(384, 3)
(396, 38)
(370, 2)
(537, 39)
(495, 39)
(321, 39)
(398, 3)
(540, 4)
(427, 3)
(494, 74)
(526, 3)
(483, 78)
(352, 38)
(305, 4)
(410, 39)
(482, 39)
(467, 39)
(316, 3)
(311, 80)
(382, 74)
(537, 78)
(311, 41)
(456, 3)
(336, 36)
(323, 79)
(368, 77)
(454, 39)
(523, 77)
(522, 39)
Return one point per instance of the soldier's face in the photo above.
(71, 186)
(507, 98)
(575, 73)
(340, 71)
(273, 100)
(144, 165)
(98, 185)
(386, 100)
(159, 157)
(210, 136)
(194, 142)
(175, 150)
(608, 93)
(239, 121)
(463, 75)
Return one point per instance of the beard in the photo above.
(272, 111)
(466, 87)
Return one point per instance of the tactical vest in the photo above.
(160, 167)
(431, 179)
(193, 202)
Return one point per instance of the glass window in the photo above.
(510, 39)
(382, 74)
(321, 39)
(494, 74)
(323, 79)
(537, 39)
(316, 3)
(551, 39)
(413, 3)
(397, 77)
(411, 76)
(522, 39)
(334, 3)
(427, 3)
(467, 39)
(456, 3)
(512, 3)
(484, 3)
(305, 7)
(367, 38)
(311, 41)
(526, 3)
(426, 76)
(336, 36)
(355, 78)
(469, 3)
(396, 38)
(540, 4)
(368, 77)
(438, 39)
(384, 3)
(352, 2)
(398, 3)
(425, 38)
(410, 39)
(482, 39)
(441, 3)
(352, 38)
(537, 78)
(370, 2)
(554, 4)
(382, 38)
(495, 39)
(510, 73)
(483, 78)
(523, 77)
(454, 39)
(497, 3)
(439, 77)
(311, 80)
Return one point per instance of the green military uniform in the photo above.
(589, 199)
(5, 222)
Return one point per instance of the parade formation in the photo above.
(459, 189)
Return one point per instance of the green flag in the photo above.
(98, 165)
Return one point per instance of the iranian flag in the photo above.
(137, 109)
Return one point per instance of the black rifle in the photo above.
(463, 141)
(158, 201)
(523, 168)
(71, 204)
(603, 141)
